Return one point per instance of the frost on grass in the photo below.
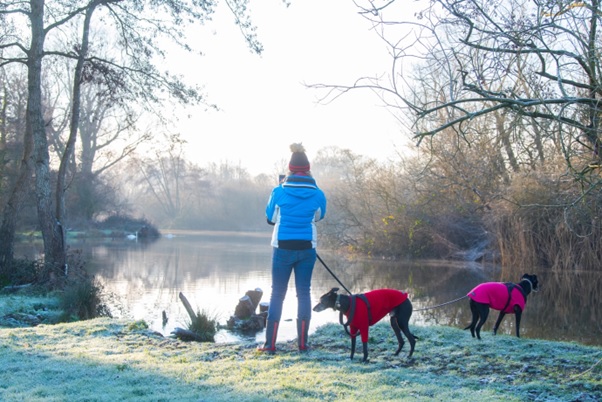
(108, 359)
(19, 311)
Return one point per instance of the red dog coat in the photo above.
(495, 294)
(381, 301)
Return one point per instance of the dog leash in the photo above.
(441, 305)
(332, 273)
(343, 286)
(508, 284)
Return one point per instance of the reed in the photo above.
(546, 228)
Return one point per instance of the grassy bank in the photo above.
(18, 310)
(108, 359)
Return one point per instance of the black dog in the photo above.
(365, 310)
(507, 298)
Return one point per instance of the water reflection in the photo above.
(214, 270)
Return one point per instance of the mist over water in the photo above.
(215, 269)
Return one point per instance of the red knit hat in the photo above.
(299, 161)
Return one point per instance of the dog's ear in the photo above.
(535, 282)
(334, 290)
(533, 279)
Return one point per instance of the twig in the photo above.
(588, 370)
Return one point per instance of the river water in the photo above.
(215, 269)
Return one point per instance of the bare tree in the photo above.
(138, 26)
(175, 193)
(13, 186)
(107, 133)
(531, 69)
(501, 95)
(164, 176)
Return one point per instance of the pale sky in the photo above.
(265, 105)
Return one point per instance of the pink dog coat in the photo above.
(381, 301)
(495, 294)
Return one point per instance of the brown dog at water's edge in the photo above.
(365, 310)
(507, 298)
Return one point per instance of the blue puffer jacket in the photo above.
(294, 207)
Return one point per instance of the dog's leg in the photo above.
(518, 313)
(411, 338)
(498, 322)
(365, 349)
(483, 311)
(352, 346)
(403, 312)
(475, 317)
(397, 330)
(363, 333)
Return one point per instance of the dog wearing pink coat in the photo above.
(507, 298)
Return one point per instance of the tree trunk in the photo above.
(13, 206)
(75, 111)
(52, 231)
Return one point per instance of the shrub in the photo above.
(81, 299)
(139, 325)
(204, 326)
(127, 224)
(20, 272)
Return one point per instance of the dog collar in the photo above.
(337, 303)
(530, 284)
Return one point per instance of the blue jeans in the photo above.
(283, 263)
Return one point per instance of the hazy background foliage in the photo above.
(508, 167)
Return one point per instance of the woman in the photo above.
(294, 207)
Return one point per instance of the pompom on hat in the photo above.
(299, 162)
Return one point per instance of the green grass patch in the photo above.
(109, 359)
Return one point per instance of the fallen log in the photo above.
(201, 328)
(14, 288)
(252, 324)
(186, 335)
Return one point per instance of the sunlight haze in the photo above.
(264, 103)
